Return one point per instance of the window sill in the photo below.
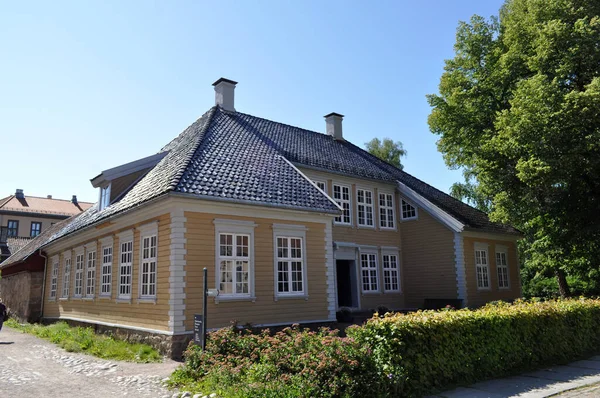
(409, 219)
(63, 299)
(372, 227)
(146, 300)
(484, 289)
(393, 292)
(123, 300)
(387, 229)
(339, 224)
(292, 297)
(371, 293)
(219, 299)
(88, 299)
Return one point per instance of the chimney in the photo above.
(333, 122)
(19, 194)
(49, 196)
(224, 93)
(74, 200)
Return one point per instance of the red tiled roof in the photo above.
(34, 204)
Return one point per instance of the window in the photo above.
(290, 277)
(386, 211)
(107, 254)
(502, 268)
(234, 264)
(322, 186)
(341, 194)
(54, 279)
(66, 277)
(13, 228)
(482, 268)
(78, 275)
(364, 199)
(368, 267)
(90, 284)
(104, 197)
(148, 268)
(125, 269)
(409, 212)
(391, 273)
(36, 229)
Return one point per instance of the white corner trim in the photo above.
(311, 182)
(177, 273)
(461, 272)
(150, 228)
(126, 235)
(437, 213)
(330, 272)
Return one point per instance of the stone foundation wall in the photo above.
(170, 346)
(22, 294)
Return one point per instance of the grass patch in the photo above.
(78, 339)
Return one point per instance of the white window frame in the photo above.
(147, 232)
(402, 202)
(105, 244)
(91, 256)
(235, 227)
(391, 271)
(367, 207)
(483, 248)
(125, 238)
(388, 218)
(66, 280)
(371, 254)
(502, 250)
(79, 280)
(104, 199)
(341, 201)
(290, 231)
(321, 182)
(54, 279)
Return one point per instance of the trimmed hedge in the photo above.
(421, 352)
(395, 355)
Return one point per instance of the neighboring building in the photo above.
(291, 225)
(25, 217)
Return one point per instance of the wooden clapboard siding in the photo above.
(138, 314)
(478, 297)
(428, 259)
(200, 247)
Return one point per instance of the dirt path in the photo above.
(33, 367)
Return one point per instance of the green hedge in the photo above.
(421, 352)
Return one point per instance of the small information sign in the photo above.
(198, 330)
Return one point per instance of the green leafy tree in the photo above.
(387, 150)
(519, 110)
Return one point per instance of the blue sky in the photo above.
(86, 86)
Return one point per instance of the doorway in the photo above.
(346, 283)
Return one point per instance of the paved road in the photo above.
(31, 367)
(584, 392)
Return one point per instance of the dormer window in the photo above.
(104, 196)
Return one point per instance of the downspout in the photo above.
(43, 285)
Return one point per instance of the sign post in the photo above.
(204, 308)
(200, 320)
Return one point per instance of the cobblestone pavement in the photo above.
(33, 367)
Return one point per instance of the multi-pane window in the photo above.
(391, 273)
(78, 275)
(66, 278)
(13, 228)
(36, 229)
(104, 197)
(341, 194)
(90, 284)
(408, 211)
(54, 279)
(322, 186)
(364, 199)
(482, 267)
(125, 269)
(106, 270)
(368, 268)
(386, 210)
(290, 278)
(502, 268)
(148, 269)
(234, 264)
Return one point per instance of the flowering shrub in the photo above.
(421, 352)
(291, 363)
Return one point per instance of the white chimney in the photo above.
(224, 94)
(334, 125)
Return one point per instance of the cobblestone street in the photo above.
(33, 367)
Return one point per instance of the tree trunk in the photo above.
(563, 286)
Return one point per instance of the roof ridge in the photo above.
(282, 124)
(62, 200)
(200, 134)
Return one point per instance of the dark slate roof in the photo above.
(241, 158)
